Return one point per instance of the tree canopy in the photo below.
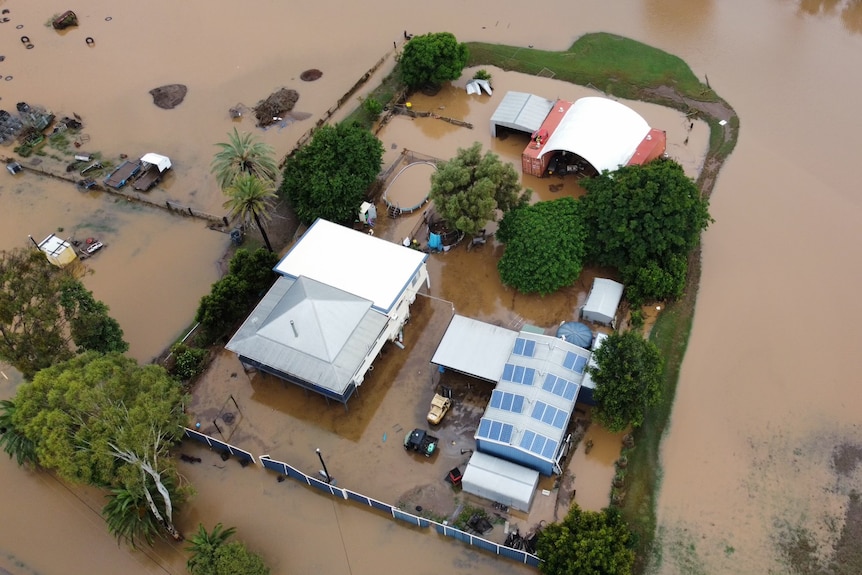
(544, 246)
(46, 314)
(72, 411)
(243, 154)
(212, 554)
(468, 190)
(628, 379)
(587, 543)
(644, 221)
(432, 59)
(329, 176)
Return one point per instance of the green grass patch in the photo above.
(384, 93)
(611, 63)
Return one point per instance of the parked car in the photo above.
(421, 441)
(439, 406)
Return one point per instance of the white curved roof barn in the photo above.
(603, 132)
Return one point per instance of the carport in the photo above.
(475, 348)
(501, 481)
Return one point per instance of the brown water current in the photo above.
(767, 390)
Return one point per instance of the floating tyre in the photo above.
(90, 41)
(108, 19)
(29, 46)
(25, 39)
(19, 26)
(7, 78)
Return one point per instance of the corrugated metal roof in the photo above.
(602, 303)
(315, 332)
(353, 262)
(521, 111)
(604, 132)
(500, 480)
(474, 347)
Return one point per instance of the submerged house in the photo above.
(341, 295)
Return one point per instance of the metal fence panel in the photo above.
(296, 474)
(273, 465)
(410, 518)
(214, 443)
(380, 505)
(357, 497)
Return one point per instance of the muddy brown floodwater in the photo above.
(767, 391)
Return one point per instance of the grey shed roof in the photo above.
(474, 347)
(310, 330)
(500, 480)
(521, 111)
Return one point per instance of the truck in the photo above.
(439, 406)
(421, 441)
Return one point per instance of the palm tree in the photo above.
(204, 546)
(128, 516)
(243, 154)
(249, 199)
(15, 443)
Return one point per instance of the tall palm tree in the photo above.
(204, 545)
(13, 441)
(249, 198)
(243, 154)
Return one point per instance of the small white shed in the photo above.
(58, 251)
(603, 301)
(501, 481)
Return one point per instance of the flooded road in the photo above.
(768, 386)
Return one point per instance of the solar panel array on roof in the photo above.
(518, 374)
(495, 430)
(507, 401)
(524, 347)
(549, 414)
(538, 444)
(559, 386)
(575, 362)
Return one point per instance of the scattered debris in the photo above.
(169, 96)
(311, 75)
(274, 108)
(65, 20)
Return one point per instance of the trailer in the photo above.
(421, 441)
(154, 167)
(124, 172)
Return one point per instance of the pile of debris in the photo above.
(275, 107)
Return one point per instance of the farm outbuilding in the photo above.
(521, 112)
(603, 301)
(58, 251)
(501, 481)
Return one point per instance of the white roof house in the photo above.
(604, 132)
(322, 328)
(603, 301)
(521, 111)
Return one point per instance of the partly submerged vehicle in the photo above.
(421, 441)
(93, 247)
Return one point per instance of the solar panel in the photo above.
(519, 346)
(527, 440)
(571, 391)
(550, 449)
(495, 430)
(530, 348)
(569, 362)
(560, 419)
(496, 398)
(525, 347)
(550, 380)
(508, 370)
(538, 410)
(580, 363)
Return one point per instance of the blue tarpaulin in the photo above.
(434, 242)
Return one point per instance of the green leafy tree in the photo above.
(329, 177)
(212, 554)
(45, 311)
(225, 305)
(91, 327)
(15, 443)
(249, 199)
(587, 543)
(255, 268)
(468, 190)
(243, 154)
(432, 59)
(544, 246)
(645, 218)
(628, 380)
(188, 361)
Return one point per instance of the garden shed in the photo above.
(521, 112)
(603, 301)
(501, 481)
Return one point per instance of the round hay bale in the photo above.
(170, 96)
(311, 75)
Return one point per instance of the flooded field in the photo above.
(759, 458)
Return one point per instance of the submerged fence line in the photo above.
(286, 470)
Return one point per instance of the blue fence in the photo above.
(446, 530)
(220, 446)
